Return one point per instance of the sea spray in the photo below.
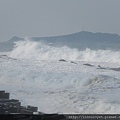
(39, 51)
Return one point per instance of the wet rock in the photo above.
(87, 64)
(73, 62)
(63, 60)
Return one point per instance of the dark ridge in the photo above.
(62, 60)
(87, 64)
(108, 68)
(9, 45)
(80, 41)
(73, 62)
(83, 40)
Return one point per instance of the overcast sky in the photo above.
(26, 18)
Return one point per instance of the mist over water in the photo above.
(40, 51)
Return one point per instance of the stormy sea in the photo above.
(75, 73)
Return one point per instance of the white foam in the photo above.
(35, 50)
(61, 87)
(38, 78)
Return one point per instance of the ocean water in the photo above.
(33, 73)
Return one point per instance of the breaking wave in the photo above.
(28, 49)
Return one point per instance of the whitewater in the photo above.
(34, 73)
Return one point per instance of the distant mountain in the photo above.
(9, 45)
(80, 40)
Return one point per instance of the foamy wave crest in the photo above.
(36, 50)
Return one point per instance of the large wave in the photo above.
(28, 49)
